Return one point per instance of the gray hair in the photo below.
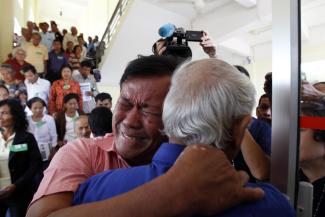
(18, 49)
(7, 67)
(205, 100)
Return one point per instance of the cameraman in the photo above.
(207, 44)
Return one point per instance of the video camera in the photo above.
(176, 40)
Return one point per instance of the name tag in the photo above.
(19, 147)
(60, 57)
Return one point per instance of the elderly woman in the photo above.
(8, 79)
(61, 88)
(19, 149)
(312, 155)
(18, 62)
(209, 102)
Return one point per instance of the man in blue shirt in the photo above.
(209, 102)
(57, 59)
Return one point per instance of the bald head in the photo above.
(82, 128)
(74, 31)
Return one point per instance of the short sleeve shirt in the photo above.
(77, 161)
(36, 55)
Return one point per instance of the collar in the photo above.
(36, 82)
(10, 137)
(168, 153)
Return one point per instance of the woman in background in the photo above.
(42, 126)
(19, 149)
(61, 88)
(65, 120)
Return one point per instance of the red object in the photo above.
(312, 122)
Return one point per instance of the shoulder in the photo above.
(273, 201)
(56, 83)
(24, 136)
(44, 81)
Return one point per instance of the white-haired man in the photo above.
(209, 102)
(137, 124)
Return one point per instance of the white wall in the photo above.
(137, 34)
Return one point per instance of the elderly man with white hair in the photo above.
(210, 103)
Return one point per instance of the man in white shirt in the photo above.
(47, 37)
(71, 37)
(36, 87)
(88, 86)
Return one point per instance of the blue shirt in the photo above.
(114, 182)
(56, 61)
(261, 132)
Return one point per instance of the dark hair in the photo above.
(242, 70)
(18, 114)
(57, 40)
(103, 96)
(263, 96)
(4, 87)
(100, 121)
(70, 96)
(65, 66)
(33, 100)
(86, 64)
(268, 83)
(148, 66)
(315, 109)
(29, 67)
(75, 48)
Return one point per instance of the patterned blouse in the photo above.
(58, 90)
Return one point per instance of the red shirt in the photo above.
(17, 67)
(58, 92)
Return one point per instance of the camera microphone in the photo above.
(166, 30)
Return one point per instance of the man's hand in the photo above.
(208, 45)
(208, 182)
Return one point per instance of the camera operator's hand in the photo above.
(208, 45)
(160, 47)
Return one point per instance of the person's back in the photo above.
(115, 182)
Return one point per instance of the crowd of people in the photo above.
(180, 136)
(48, 97)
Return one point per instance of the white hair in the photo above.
(15, 50)
(205, 100)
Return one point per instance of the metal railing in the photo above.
(111, 28)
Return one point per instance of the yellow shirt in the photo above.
(36, 55)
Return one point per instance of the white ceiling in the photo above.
(252, 32)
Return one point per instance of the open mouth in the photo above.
(132, 137)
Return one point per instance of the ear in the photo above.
(238, 132)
